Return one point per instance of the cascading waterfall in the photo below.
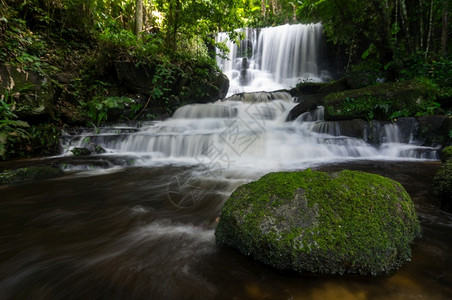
(239, 135)
(273, 58)
(248, 130)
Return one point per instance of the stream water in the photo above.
(138, 221)
(141, 225)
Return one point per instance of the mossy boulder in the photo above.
(346, 222)
(80, 151)
(29, 174)
(382, 101)
(443, 184)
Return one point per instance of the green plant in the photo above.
(446, 153)
(161, 82)
(99, 108)
(11, 129)
(443, 184)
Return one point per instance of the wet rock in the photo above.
(80, 151)
(433, 129)
(256, 97)
(317, 90)
(301, 108)
(218, 89)
(29, 174)
(99, 149)
(346, 222)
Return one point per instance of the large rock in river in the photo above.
(346, 222)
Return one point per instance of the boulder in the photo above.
(137, 78)
(80, 151)
(345, 222)
(301, 108)
(216, 90)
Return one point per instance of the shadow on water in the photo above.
(148, 233)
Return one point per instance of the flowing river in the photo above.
(138, 221)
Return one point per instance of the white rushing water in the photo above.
(273, 58)
(248, 131)
(248, 136)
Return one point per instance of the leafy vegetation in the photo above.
(443, 184)
(29, 174)
(11, 130)
(385, 101)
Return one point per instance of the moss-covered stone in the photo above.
(346, 222)
(80, 151)
(382, 101)
(29, 174)
(443, 184)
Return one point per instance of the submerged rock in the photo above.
(346, 222)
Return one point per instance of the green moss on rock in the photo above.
(29, 174)
(80, 151)
(382, 101)
(346, 222)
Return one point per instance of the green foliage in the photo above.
(44, 139)
(99, 107)
(384, 101)
(443, 184)
(29, 174)
(387, 30)
(11, 130)
(446, 154)
(438, 72)
(162, 81)
(312, 221)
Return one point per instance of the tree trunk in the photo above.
(139, 18)
(444, 32)
(264, 8)
(421, 23)
(405, 25)
(430, 29)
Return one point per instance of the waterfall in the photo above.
(248, 131)
(273, 58)
(234, 134)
